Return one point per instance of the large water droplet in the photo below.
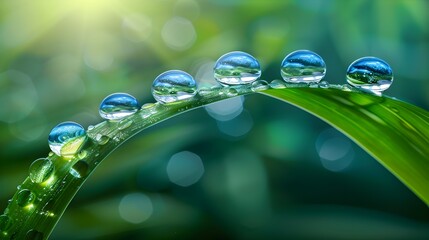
(80, 169)
(25, 197)
(41, 170)
(370, 73)
(174, 86)
(118, 105)
(5, 223)
(236, 68)
(66, 138)
(303, 66)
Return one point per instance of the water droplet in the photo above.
(47, 210)
(101, 139)
(277, 84)
(118, 105)
(80, 169)
(303, 66)
(41, 170)
(124, 123)
(66, 138)
(25, 197)
(313, 85)
(346, 87)
(231, 92)
(34, 235)
(204, 91)
(324, 84)
(5, 223)
(260, 85)
(82, 154)
(236, 68)
(90, 127)
(174, 86)
(370, 74)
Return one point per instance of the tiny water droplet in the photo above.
(101, 139)
(174, 86)
(82, 154)
(66, 138)
(50, 154)
(277, 84)
(204, 91)
(303, 66)
(313, 85)
(90, 127)
(260, 85)
(236, 68)
(118, 105)
(34, 235)
(324, 84)
(41, 170)
(124, 123)
(346, 87)
(231, 92)
(25, 197)
(370, 74)
(80, 169)
(5, 223)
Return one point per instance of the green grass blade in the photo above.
(393, 132)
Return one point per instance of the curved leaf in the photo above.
(392, 131)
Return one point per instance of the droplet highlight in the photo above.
(66, 138)
(25, 197)
(370, 74)
(174, 86)
(118, 105)
(41, 170)
(303, 66)
(235, 68)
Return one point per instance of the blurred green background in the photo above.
(249, 168)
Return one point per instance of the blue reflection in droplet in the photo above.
(174, 86)
(236, 68)
(117, 106)
(303, 66)
(370, 73)
(66, 138)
